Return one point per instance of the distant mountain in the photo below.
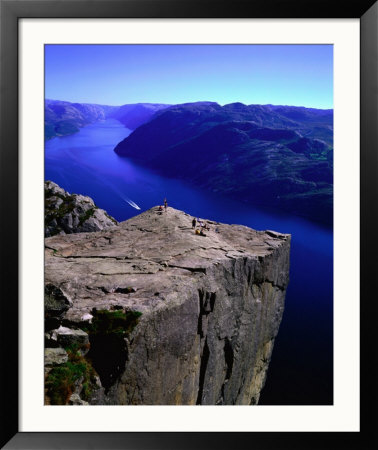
(132, 116)
(278, 156)
(64, 118)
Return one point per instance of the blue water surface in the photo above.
(301, 369)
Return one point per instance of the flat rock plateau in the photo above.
(148, 312)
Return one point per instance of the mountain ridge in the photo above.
(63, 118)
(257, 153)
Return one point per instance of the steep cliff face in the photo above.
(72, 213)
(171, 317)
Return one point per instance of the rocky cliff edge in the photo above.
(159, 315)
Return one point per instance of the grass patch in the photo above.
(107, 356)
(61, 381)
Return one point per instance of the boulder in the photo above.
(76, 400)
(55, 356)
(68, 337)
(67, 213)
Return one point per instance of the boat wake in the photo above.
(131, 203)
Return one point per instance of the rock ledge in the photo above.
(210, 306)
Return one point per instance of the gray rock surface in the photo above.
(211, 306)
(76, 400)
(71, 213)
(55, 356)
(68, 337)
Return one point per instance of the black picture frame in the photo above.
(11, 12)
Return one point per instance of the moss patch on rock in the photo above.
(88, 214)
(62, 381)
(54, 213)
(111, 218)
(117, 322)
(107, 357)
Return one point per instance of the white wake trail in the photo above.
(131, 203)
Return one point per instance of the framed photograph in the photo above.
(188, 197)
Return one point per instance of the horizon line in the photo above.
(186, 103)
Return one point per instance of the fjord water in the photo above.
(301, 369)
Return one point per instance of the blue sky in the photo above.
(300, 75)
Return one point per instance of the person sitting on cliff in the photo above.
(194, 223)
(204, 226)
(160, 208)
(202, 233)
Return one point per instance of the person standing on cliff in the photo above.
(194, 222)
(165, 204)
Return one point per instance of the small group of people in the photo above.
(199, 230)
(202, 226)
(165, 206)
